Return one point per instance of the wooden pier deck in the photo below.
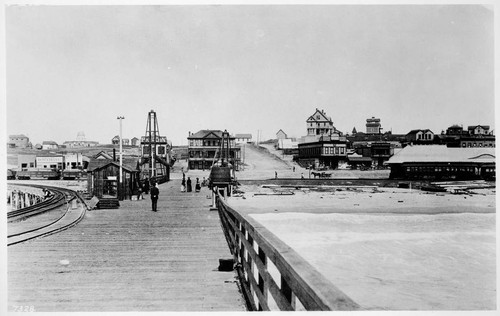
(129, 259)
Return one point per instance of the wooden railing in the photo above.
(272, 275)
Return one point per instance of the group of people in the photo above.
(186, 185)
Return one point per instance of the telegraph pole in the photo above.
(121, 153)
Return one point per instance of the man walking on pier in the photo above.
(154, 196)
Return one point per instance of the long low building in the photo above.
(438, 162)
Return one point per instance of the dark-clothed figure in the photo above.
(197, 187)
(154, 196)
(189, 188)
(146, 186)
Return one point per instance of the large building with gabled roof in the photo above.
(204, 149)
(439, 162)
(320, 124)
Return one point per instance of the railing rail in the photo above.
(256, 251)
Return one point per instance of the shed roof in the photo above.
(49, 142)
(243, 136)
(129, 164)
(441, 153)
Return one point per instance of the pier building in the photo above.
(439, 162)
(103, 180)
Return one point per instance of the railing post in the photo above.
(263, 285)
(214, 199)
(242, 253)
(287, 292)
(238, 239)
(250, 262)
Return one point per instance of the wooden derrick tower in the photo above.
(222, 176)
(155, 150)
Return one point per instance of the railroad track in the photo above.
(60, 197)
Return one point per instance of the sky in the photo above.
(247, 68)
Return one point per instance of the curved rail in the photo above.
(256, 251)
(67, 220)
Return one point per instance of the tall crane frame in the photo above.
(155, 161)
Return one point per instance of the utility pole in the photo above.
(121, 156)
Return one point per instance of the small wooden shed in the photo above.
(103, 178)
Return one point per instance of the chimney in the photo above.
(114, 154)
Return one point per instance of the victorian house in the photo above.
(319, 124)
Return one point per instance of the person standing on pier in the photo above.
(189, 187)
(197, 187)
(154, 196)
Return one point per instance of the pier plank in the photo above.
(130, 259)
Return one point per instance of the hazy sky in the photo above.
(245, 68)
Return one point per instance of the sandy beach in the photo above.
(388, 248)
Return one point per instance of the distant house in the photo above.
(373, 126)
(479, 130)
(281, 135)
(455, 130)
(475, 136)
(420, 136)
(48, 145)
(18, 141)
(135, 142)
(115, 140)
(243, 138)
(439, 162)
